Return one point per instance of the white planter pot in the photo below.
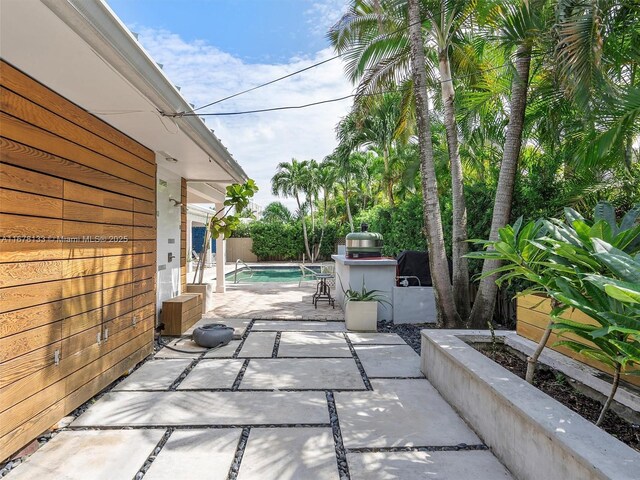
(206, 292)
(361, 316)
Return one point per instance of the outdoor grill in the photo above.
(364, 244)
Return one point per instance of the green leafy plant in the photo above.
(589, 266)
(363, 295)
(614, 303)
(226, 220)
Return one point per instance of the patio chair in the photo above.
(329, 268)
(307, 275)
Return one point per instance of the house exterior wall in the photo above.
(169, 219)
(77, 256)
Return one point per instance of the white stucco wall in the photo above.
(168, 280)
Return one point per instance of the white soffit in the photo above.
(79, 49)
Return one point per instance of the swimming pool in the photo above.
(268, 275)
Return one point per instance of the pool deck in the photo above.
(284, 301)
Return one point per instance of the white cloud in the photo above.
(324, 14)
(258, 141)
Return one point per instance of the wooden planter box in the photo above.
(533, 317)
(180, 313)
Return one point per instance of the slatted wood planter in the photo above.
(74, 315)
(181, 312)
(533, 317)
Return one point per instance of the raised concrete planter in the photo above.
(361, 316)
(533, 435)
(414, 305)
(206, 291)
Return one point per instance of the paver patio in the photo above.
(292, 399)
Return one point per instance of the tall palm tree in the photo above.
(291, 180)
(325, 180)
(520, 25)
(446, 19)
(447, 313)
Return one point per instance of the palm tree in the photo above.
(520, 24)
(432, 214)
(376, 60)
(290, 180)
(325, 179)
(276, 212)
(446, 19)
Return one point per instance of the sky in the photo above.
(215, 48)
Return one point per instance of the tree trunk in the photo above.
(459, 245)
(387, 174)
(324, 224)
(346, 201)
(447, 315)
(532, 361)
(304, 229)
(612, 393)
(486, 297)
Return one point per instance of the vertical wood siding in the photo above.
(74, 315)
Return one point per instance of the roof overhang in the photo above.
(81, 50)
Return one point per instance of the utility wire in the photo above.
(322, 62)
(332, 100)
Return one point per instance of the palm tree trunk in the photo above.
(612, 393)
(387, 174)
(304, 228)
(346, 201)
(486, 297)
(447, 315)
(459, 246)
(324, 224)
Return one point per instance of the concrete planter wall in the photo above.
(532, 434)
(361, 316)
(206, 291)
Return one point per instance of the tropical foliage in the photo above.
(590, 266)
(527, 106)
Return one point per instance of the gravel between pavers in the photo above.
(410, 332)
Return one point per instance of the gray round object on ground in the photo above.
(212, 335)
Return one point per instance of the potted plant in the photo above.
(361, 308)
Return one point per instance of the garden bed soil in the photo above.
(555, 385)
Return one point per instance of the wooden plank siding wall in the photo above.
(533, 317)
(74, 316)
(183, 236)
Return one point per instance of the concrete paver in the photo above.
(298, 326)
(225, 351)
(389, 360)
(213, 373)
(205, 408)
(313, 344)
(397, 413)
(154, 375)
(375, 338)
(476, 465)
(98, 455)
(289, 454)
(400, 413)
(258, 344)
(302, 373)
(195, 454)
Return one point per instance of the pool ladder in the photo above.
(235, 273)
